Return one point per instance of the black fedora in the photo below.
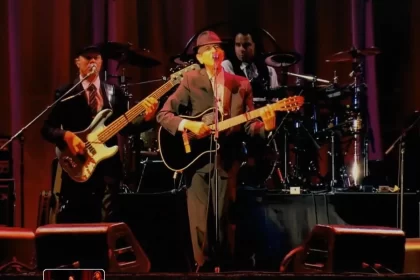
(97, 48)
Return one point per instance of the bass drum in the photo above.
(149, 141)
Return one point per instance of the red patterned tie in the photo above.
(93, 102)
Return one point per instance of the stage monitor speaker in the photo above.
(339, 248)
(412, 255)
(17, 252)
(7, 202)
(110, 246)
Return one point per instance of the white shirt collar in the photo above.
(243, 65)
(96, 83)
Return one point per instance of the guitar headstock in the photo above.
(288, 104)
(180, 70)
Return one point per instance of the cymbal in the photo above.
(182, 59)
(282, 59)
(142, 58)
(115, 50)
(352, 54)
(125, 55)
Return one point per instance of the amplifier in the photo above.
(7, 202)
(6, 163)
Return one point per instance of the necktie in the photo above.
(93, 102)
(249, 72)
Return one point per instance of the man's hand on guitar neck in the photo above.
(151, 105)
(74, 143)
(200, 129)
(269, 118)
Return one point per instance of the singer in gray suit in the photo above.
(198, 91)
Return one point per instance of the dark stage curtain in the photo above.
(39, 39)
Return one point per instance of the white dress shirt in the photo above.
(251, 72)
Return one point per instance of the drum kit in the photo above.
(334, 116)
(334, 120)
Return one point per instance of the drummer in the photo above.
(248, 61)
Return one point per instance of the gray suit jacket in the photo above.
(195, 92)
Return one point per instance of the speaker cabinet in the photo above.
(412, 255)
(109, 246)
(7, 202)
(339, 248)
(17, 250)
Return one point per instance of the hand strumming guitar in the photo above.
(74, 143)
(151, 105)
(269, 118)
(200, 129)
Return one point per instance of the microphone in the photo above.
(92, 68)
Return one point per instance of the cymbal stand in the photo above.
(358, 123)
(129, 144)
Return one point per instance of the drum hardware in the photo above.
(281, 59)
(312, 79)
(154, 175)
(125, 55)
(144, 163)
(303, 170)
(295, 175)
(352, 54)
(128, 146)
(183, 59)
(359, 167)
(272, 138)
(275, 166)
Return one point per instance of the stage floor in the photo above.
(229, 275)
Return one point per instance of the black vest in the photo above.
(259, 84)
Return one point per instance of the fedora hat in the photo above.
(207, 38)
(97, 48)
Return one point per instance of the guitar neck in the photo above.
(226, 124)
(131, 114)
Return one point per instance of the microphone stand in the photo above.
(216, 171)
(401, 141)
(21, 137)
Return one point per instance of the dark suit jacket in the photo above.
(195, 91)
(74, 114)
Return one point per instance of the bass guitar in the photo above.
(81, 167)
(177, 157)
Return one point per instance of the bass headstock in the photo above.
(180, 70)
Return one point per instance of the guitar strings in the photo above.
(104, 135)
(132, 113)
(286, 104)
(137, 109)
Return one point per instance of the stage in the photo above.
(273, 223)
(232, 276)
